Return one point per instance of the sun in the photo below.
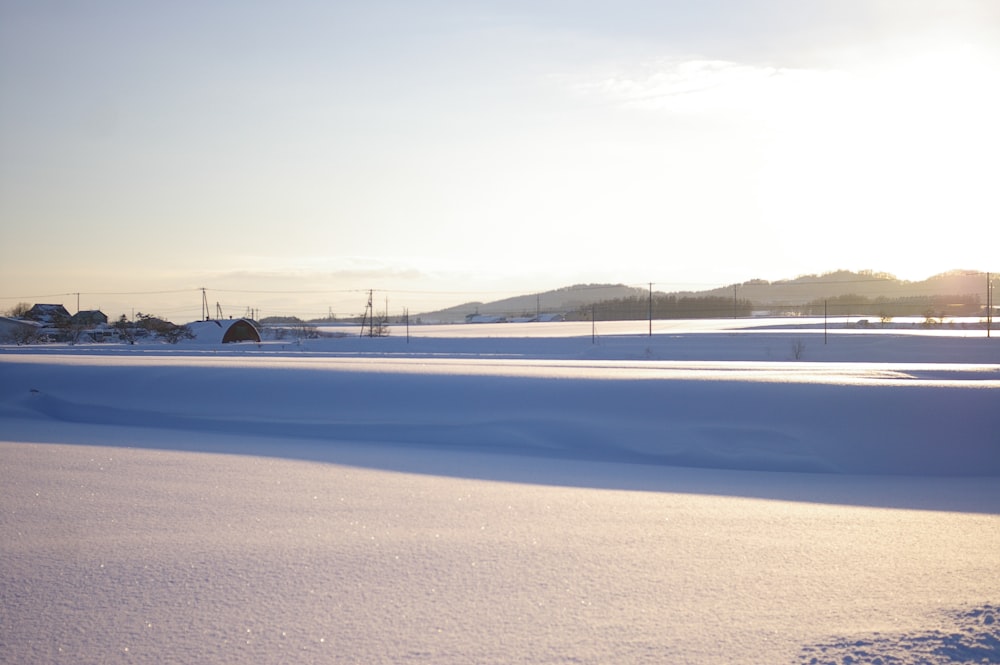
(891, 166)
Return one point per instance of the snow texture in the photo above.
(971, 636)
(535, 497)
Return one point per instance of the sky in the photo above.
(288, 157)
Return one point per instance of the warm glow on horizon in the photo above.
(463, 151)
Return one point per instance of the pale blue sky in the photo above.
(447, 151)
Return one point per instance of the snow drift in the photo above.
(858, 418)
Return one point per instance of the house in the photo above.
(215, 331)
(48, 314)
(89, 318)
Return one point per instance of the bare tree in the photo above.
(125, 329)
(380, 325)
(22, 335)
(19, 310)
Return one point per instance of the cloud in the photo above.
(696, 85)
(324, 273)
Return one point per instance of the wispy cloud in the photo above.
(335, 273)
(698, 85)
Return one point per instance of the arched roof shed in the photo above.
(225, 331)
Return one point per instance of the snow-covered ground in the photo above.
(740, 492)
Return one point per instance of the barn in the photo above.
(223, 331)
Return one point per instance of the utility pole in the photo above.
(204, 305)
(593, 324)
(650, 309)
(368, 316)
(735, 307)
(989, 304)
(824, 322)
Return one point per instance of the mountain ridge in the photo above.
(763, 294)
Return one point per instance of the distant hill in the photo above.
(558, 301)
(962, 286)
(868, 284)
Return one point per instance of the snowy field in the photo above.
(723, 492)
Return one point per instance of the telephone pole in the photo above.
(824, 321)
(369, 316)
(989, 304)
(650, 309)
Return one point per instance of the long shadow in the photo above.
(792, 442)
(529, 465)
(966, 635)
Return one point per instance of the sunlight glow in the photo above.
(887, 156)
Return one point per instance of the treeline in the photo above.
(686, 306)
(886, 308)
(294, 320)
(663, 306)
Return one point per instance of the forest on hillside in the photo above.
(662, 306)
(864, 293)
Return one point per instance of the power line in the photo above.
(310, 296)
(98, 293)
(799, 281)
(290, 292)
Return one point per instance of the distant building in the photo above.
(89, 318)
(484, 318)
(225, 331)
(48, 314)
